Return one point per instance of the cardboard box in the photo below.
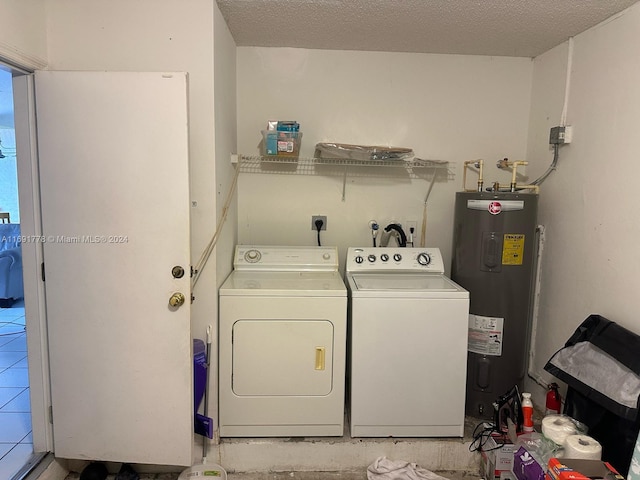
(497, 459)
(578, 469)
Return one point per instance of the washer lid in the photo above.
(405, 283)
(317, 284)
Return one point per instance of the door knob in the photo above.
(177, 299)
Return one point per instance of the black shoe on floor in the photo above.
(127, 473)
(94, 471)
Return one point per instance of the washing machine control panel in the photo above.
(383, 259)
(284, 258)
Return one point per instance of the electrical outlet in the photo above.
(323, 218)
(411, 224)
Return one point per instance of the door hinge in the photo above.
(42, 271)
(51, 414)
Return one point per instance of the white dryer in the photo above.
(282, 343)
(408, 344)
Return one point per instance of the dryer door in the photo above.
(282, 357)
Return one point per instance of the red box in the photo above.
(579, 469)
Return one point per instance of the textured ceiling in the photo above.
(521, 28)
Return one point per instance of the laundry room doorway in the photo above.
(16, 432)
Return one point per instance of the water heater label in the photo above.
(494, 207)
(513, 249)
(485, 335)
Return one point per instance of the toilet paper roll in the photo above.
(582, 447)
(558, 427)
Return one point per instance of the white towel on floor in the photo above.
(385, 469)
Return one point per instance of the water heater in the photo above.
(493, 258)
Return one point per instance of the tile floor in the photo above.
(16, 443)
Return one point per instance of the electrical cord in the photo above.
(552, 167)
(204, 258)
(319, 224)
(482, 435)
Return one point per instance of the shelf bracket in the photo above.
(344, 183)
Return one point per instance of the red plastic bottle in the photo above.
(527, 412)
(554, 401)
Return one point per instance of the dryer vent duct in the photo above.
(493, 258)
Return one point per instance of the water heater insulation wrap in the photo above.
(493, 258)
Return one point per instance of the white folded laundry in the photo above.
(385, 469)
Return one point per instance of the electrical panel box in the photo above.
(560, 135)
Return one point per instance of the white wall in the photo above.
(226, 142)
(588, 205)
(444, 107)
(226, 194)
(23, 36)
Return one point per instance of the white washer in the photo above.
(282, 343)
(408, 346)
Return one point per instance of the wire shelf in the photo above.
(416, 168)
(430, 170)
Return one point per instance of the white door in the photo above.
(113, 157)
